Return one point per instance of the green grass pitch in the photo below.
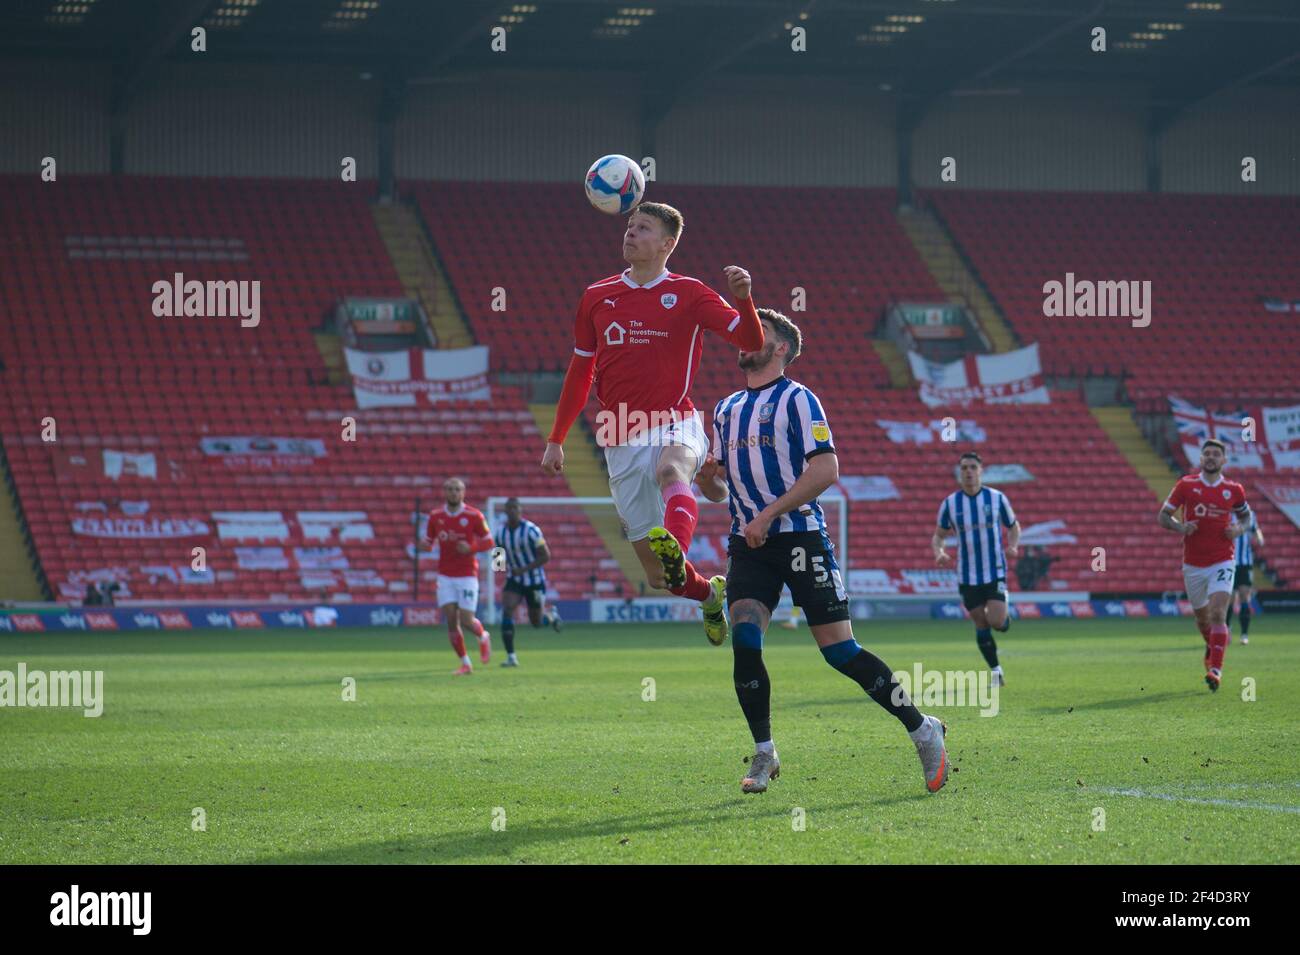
(251, 728)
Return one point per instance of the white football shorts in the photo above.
(632, 483)
(1203, 581)
(461, 591)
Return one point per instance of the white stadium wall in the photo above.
(252, 120)
(53, 108)
(1202, 150)
(1023, 141)
(299, 121)
(751, 133)
(514, 127)
(767, 132)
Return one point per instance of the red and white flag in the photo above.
(1276, 443)
(1016, 377)
(1285, 496)
(419, 376)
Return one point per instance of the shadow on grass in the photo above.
(361, 678)
(514, 843)
(1142, 699)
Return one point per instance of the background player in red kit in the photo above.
(1208, 501)
(639, 335)
(461, 532)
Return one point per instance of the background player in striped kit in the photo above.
(974, 513)
(772, 456)
(526, 553)
(1243, 581)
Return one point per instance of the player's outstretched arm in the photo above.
(748, 334)
(710, 480)
(543, 555)
(1167, 520)
(738, 325)
(822, 471)
(573, 396)
(1013, 539)
(941, 556)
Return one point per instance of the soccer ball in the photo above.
(615, 184)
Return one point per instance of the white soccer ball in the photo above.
(615, 184)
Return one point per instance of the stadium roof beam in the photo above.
(1072, 24)
(1165, 115)
(657, 100)
(912, 108)
(128, 73)
(447, 53)
(179, 20)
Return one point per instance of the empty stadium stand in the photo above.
(543, 246)
(156, 416)
(846, 248)
(1212, 261)
(81, 346)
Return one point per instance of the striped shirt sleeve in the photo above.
(943, 520)
(808, 421)
(717, 434)
(1007, 514)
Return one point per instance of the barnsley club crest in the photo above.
(668, 299)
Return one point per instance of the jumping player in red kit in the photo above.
(639, 334)
(1208, 501)
(461, 532)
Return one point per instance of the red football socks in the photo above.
(680, 513)
(1218, 643)
(457, 642)
(476, 627)
(696, 587)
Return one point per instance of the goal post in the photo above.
(578, 553)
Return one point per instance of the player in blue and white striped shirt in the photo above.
(772, 456)
(525, 551)
(1244, 581)
(977, 514)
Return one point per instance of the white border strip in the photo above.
(1231, 803)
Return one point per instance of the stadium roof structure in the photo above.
(1181, 51)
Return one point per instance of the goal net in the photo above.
(592, 560)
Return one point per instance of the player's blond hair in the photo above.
(786, 330)
(674, 222)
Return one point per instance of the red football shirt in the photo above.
(1211, 506)
(468, 525)
(647, 338)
